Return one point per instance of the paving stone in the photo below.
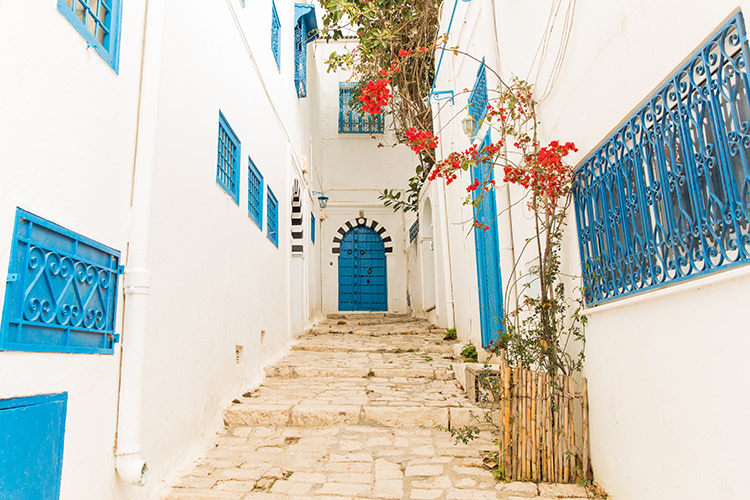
(351, 416)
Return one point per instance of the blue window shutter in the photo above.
(275, 35)
(254, 193)
(98, 22)
(664, 198)
(272, 211)
(312, 227)
(351, 119)
(228, 160)
(478, 98)
(63, 293)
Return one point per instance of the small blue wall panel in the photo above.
(666, 198)
(254, 193)
(312, 227)
(98, 22)
(488, 257)
(272, 209)
(32, 434)
(351, 119)
(362, 271)
(228, 160)
(61, 292)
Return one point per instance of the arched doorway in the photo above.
(427, 252)
(362, 271)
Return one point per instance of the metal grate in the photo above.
(254, 193)
(667, 196)
(478, 97)
(228, 160)
(351, 119)
(272, 210)
(413, 231)
(61, 292)
(98, 22)
(275, 35)
(300, 58)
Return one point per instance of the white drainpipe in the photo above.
(128, 461)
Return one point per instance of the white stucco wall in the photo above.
(666, 390)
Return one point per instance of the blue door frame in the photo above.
(32, 434)
(488, 256)
(362, 271)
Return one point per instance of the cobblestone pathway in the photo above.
(350, 414)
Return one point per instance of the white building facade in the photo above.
(654, 96)
(164, 167)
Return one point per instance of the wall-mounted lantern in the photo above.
(468, 125)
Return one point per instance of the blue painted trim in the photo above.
(228, 175)
(33, 400)
(272, 211)
(109, 48)
(66, 330)
(255, 186)
(442, 53)
(306, 13)
(664, 198)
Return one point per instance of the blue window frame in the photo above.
(254, 193)
(351, 119)
(413, 231)
(272, 211)
(61, 291)
(275, 35)
(98, 22)
(32, 437)
(228, 160)
(665, 197)
(478, 98)
(312, 227)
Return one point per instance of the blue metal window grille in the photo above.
(305, 31)
(32, 437)
(272, 209)
(275, 35)
(61, 291)
(478, 97)
(228, 160)
(254, 193)
(300, 58)
(351, 119)
(667, 196)
(98, 22)
(312, 227)
(413, 231)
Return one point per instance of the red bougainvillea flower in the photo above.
(420, 140)
(375, 96)
(544, 173)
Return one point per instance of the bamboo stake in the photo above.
(522, 414)
(534, 428)
(547, 426)
(564, 429)
(585, 427)
(529, 428)
(556, 431)
(516, 424)
(506, 415)
(571, 431)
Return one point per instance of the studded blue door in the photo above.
(488, 258)
(362, 274)
(31, 446)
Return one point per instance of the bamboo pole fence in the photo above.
(543, 424)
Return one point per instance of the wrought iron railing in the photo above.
(667, 197)
(300, 58)
(413, 231)
(351, 119)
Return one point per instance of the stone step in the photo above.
(375, 330)
(371, 316)
(429, 349)
(328, 415)
(287, 371)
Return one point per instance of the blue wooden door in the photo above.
(31, 447)
(362, 273)
(488, 257)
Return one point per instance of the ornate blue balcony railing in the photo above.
(61, 290)
(667, 197)
(351, 119)
(275, 35)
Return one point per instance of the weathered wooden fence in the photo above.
(543, 423)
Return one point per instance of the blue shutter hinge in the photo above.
(12, 277)
(113, 337)
(120, 269)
